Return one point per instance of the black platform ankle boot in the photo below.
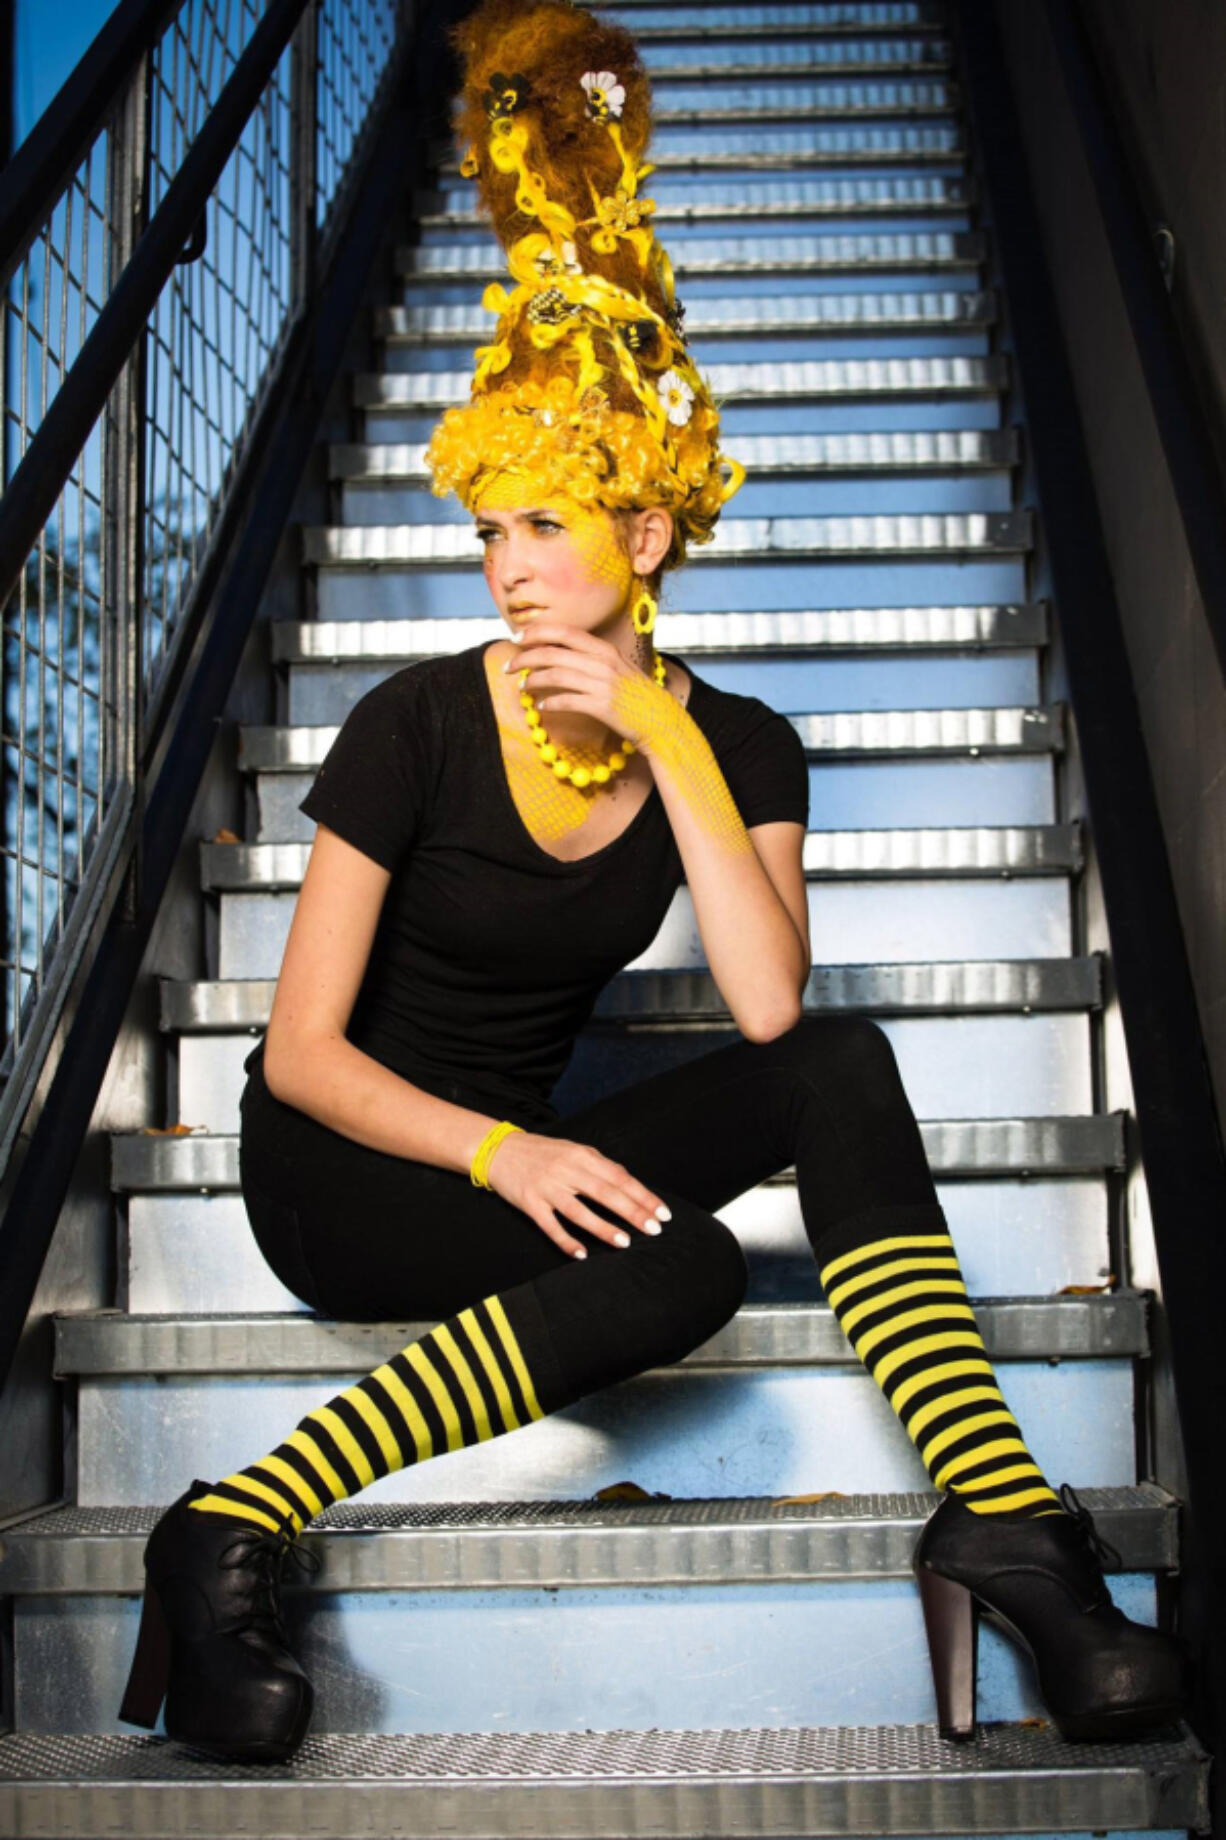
(1040, 1580)
(212, 1642)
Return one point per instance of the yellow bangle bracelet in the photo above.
(485, 1150)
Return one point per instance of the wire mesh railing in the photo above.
(98, 614)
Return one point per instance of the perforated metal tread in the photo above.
(794, 1784)
(845, 734)
(759, 1335)
(932, 310)
(813, 55)
(554, 1544)
(785, 98)
(774, 634)
(921, 853)
(860, 197)
(903, 450)
(917, 249)
(801, 379)
(795, 149)
(824, 15)
(933, 535)
(679, 998)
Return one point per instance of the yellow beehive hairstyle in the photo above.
(587, 385)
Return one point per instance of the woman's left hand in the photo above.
(574, 670)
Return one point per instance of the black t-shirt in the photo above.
(490, 953)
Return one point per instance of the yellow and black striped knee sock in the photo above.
(902, 1303)
(465, 1381)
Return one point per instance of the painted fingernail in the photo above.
(621, 1239)
(580, 1252)
(664, 1213)
(652, 1226)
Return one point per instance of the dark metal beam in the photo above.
(1176, 1116)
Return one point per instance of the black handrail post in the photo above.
(122, 523)
(1176, 1116)
(304, 82)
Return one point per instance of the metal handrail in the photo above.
(41, 167)
(39, 479)
(1178, 1132)
(367, 120)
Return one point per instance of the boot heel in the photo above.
(952, 1627)
(146, 1688)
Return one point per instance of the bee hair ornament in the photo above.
(587, 385)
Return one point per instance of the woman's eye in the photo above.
(545, 524)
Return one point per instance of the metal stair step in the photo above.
(792, 18)
(786, 99)
(400, 1546)
(789, 380)
(794, 1784)
(669, 62)
(850, 734)
(833, 16)
(100, 1342)
(972, 850)
(922, 250)
(930, 310)
(739, 634)
(1016, 1237)
(455, 208)
(675, 998)
(930, 535)
(903, 450)
(792, 149)
(960, 1146)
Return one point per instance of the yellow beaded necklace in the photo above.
(563, 768)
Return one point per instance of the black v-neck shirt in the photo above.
(490, 953)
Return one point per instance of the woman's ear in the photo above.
(653, 534)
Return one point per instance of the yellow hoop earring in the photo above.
(646, 600)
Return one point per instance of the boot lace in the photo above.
(264, 1555)
(1102, 1549)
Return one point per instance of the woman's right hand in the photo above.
(540, 1174)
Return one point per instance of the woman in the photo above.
(491, 849)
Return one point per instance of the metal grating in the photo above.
(779, 634)
(669, 1785)
(906, 250)
(992, 533)
(106, 595)
(795, 379)
(373, 1546)
(760, 1335)
(932, 310)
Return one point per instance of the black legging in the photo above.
(361, 1235)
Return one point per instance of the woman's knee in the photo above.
(699, 1275)
(852, 1051)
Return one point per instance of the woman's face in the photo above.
(546, 555)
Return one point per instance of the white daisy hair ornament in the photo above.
(586, 386)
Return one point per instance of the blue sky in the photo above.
(52, 36)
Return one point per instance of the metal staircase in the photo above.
(495, 1651)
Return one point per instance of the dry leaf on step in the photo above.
(1087, 1290)
(225, 836)
(791, 1501)
(627, 1491)
(1033, 1724)
(170, 1130)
